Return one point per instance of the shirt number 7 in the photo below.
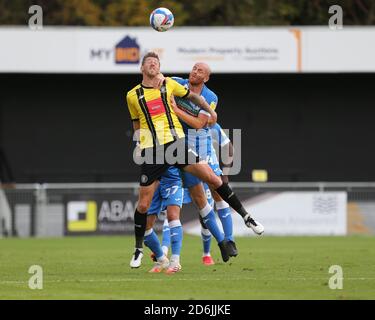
(173, 189)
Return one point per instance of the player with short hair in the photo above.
(201, 142)
(199, 139)
(162, 137)
(219, 137)
(225, 146)
(168, 196)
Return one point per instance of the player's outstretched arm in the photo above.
(194, 122)
(159, 80)
(198, 100)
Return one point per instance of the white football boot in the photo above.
(255, 225)
(136, 260)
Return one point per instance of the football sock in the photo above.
(225, 214)
(165, 250)
(175, 259)
(176, 237)
(166, 238)
(152, 242)
(209, 219)
(230, 197)
(210, 199)
(206, 239)
(139, 227)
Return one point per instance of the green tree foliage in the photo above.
(55, 12)
(14, 12)
(277, 12)
(73, 12)
(189, 12)
(137, 12)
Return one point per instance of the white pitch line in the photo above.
(183, 279)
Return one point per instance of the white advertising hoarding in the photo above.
(226, 49)
(346, 50)
(119, 50)
(292, 213)
(244, 51)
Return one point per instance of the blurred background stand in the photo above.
(6, 181)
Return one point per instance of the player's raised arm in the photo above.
(199, 101)
(159, 80)
(198, 122)
(183, 92)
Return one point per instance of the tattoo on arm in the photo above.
(198, 100)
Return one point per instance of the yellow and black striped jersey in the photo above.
(151, 107)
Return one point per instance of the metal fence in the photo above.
(28, 210)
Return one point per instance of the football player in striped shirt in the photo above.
(161, 136)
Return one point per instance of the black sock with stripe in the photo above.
(230, 197)
(140, 220)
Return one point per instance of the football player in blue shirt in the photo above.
(201, 142)
(224, 212)
(168, 196)
(198, 138)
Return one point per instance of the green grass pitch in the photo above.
(266, 268)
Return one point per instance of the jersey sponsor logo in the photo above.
(155, 107)
(144, 178)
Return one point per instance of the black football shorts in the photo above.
(158, 159)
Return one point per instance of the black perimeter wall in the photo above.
(299, 127)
